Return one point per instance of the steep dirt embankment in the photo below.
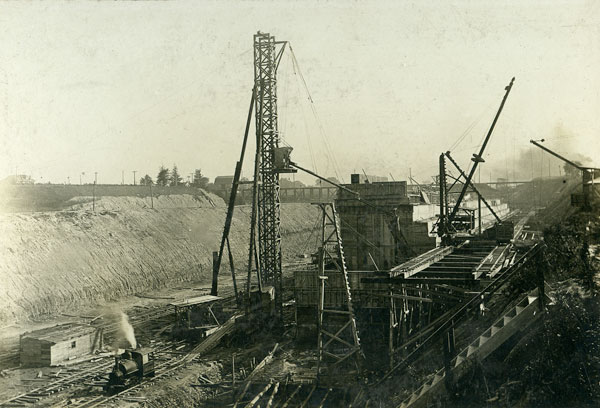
(50, 261)
(57, 197)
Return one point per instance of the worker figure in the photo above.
(482, 307)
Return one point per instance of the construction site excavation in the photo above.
(342, 254)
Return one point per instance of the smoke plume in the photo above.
(528, 162)
(126, 330)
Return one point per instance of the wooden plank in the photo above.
(407, 297)
(421, 262)
(334, 337)
(214, 339)
(242, 394)
(287, 402)
(308, 398)
(263, 363)
(275, 389)
(258, 396)
(324, 398)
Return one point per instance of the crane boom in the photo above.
(477, 158)
(544, 148)
(588, 176)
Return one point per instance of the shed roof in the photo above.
(62, 332)
(195, 301)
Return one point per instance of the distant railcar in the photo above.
(502, 233)
(130, 368)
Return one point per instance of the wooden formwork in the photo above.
(364, 295)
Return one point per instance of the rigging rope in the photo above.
(306, 132)
(315, 228)
(470, 127)
(328, 149)
(284, 116)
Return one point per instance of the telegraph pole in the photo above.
(94, 192)
(122, 177)
(134, 171)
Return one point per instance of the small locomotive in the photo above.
(130, 368)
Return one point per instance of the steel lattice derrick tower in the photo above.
(267, 138)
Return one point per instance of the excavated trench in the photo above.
(56, 260)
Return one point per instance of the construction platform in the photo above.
(463, 264)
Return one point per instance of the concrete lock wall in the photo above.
(366, 234)
(366, 230)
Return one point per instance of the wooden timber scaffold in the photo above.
(338, 340)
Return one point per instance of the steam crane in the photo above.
(447, 218)
(588, 176)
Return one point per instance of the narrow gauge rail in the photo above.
(78, 376)
(165, 365)
(87, 372)
(9, 358)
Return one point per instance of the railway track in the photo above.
(163, 368)
(93, 371)
(65, 381)
(138, 318)
(165, 365)
(81, 376)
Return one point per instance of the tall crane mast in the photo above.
(264, 250)
(267, 204)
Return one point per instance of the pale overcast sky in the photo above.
(108, 86)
